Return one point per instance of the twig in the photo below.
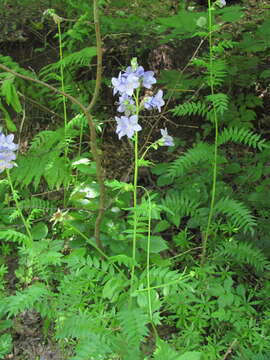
(230, 349)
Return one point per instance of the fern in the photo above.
(238, 212)
(77, 122)
(91, 348)
(219, 69)
(241, 136)
(76, 326)
(14, 236)
(201, 152)
(26, 299)
(45, 159)
(37, 203)
(77, 58)
(191, 108)
(179, 205)
(242, 254)
(219, 101)
(164, 351)
(133, 323)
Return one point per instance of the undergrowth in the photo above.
(176, 268)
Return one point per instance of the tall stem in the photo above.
(214, 175)
(135, 186)
(63, 97)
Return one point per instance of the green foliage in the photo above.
(174, 307)
(178, 205)
(202, 152)
(242, 136)
(242, 254)
(45, 160)
(239, 214)
(26, 299)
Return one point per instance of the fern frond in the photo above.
(133, 323)
(219, 72)
(36, 203)
(45, 159)
(26, 299)
(77, 122)
(241, 136)
(164, 351)
(191, 108)
(238, 213)
(180, 205)
(243, 253)
(220, 101)
(201, 152)
(76, 326)
(15, 236)
(78, 58)
(91, 348)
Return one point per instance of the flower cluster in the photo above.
(127, 85)
(7, 155)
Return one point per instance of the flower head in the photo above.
(7, 155)
(126, 105)
(154, 102)
(222, 3)
(166, 139)
(125, 83)
(127, 126)
(148, 79)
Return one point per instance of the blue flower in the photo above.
(222, 3)
(126, 105)
(127, 126)
(148, 79)
(166, 139)
(154, 102)
(7, 155)
(125, 83)
(139, 71)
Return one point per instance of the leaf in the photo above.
(190, 355)
(157, 244)
(161, 226)
(39, 231)
(9, 91)
(231, 13)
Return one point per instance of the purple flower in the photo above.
(7, 155)
(127, 126)
(139, 72)
(6, 143)
(154, 102)
(126, 105)
(222, 2)
(125, 83)
(148, 79)
(166, 139)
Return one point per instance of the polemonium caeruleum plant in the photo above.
(7, 157)
(128, 86)
(7, 152)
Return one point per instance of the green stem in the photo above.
(148, 256)
(214, 176)
(63, 97)
(135, 185)
(26, 225)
